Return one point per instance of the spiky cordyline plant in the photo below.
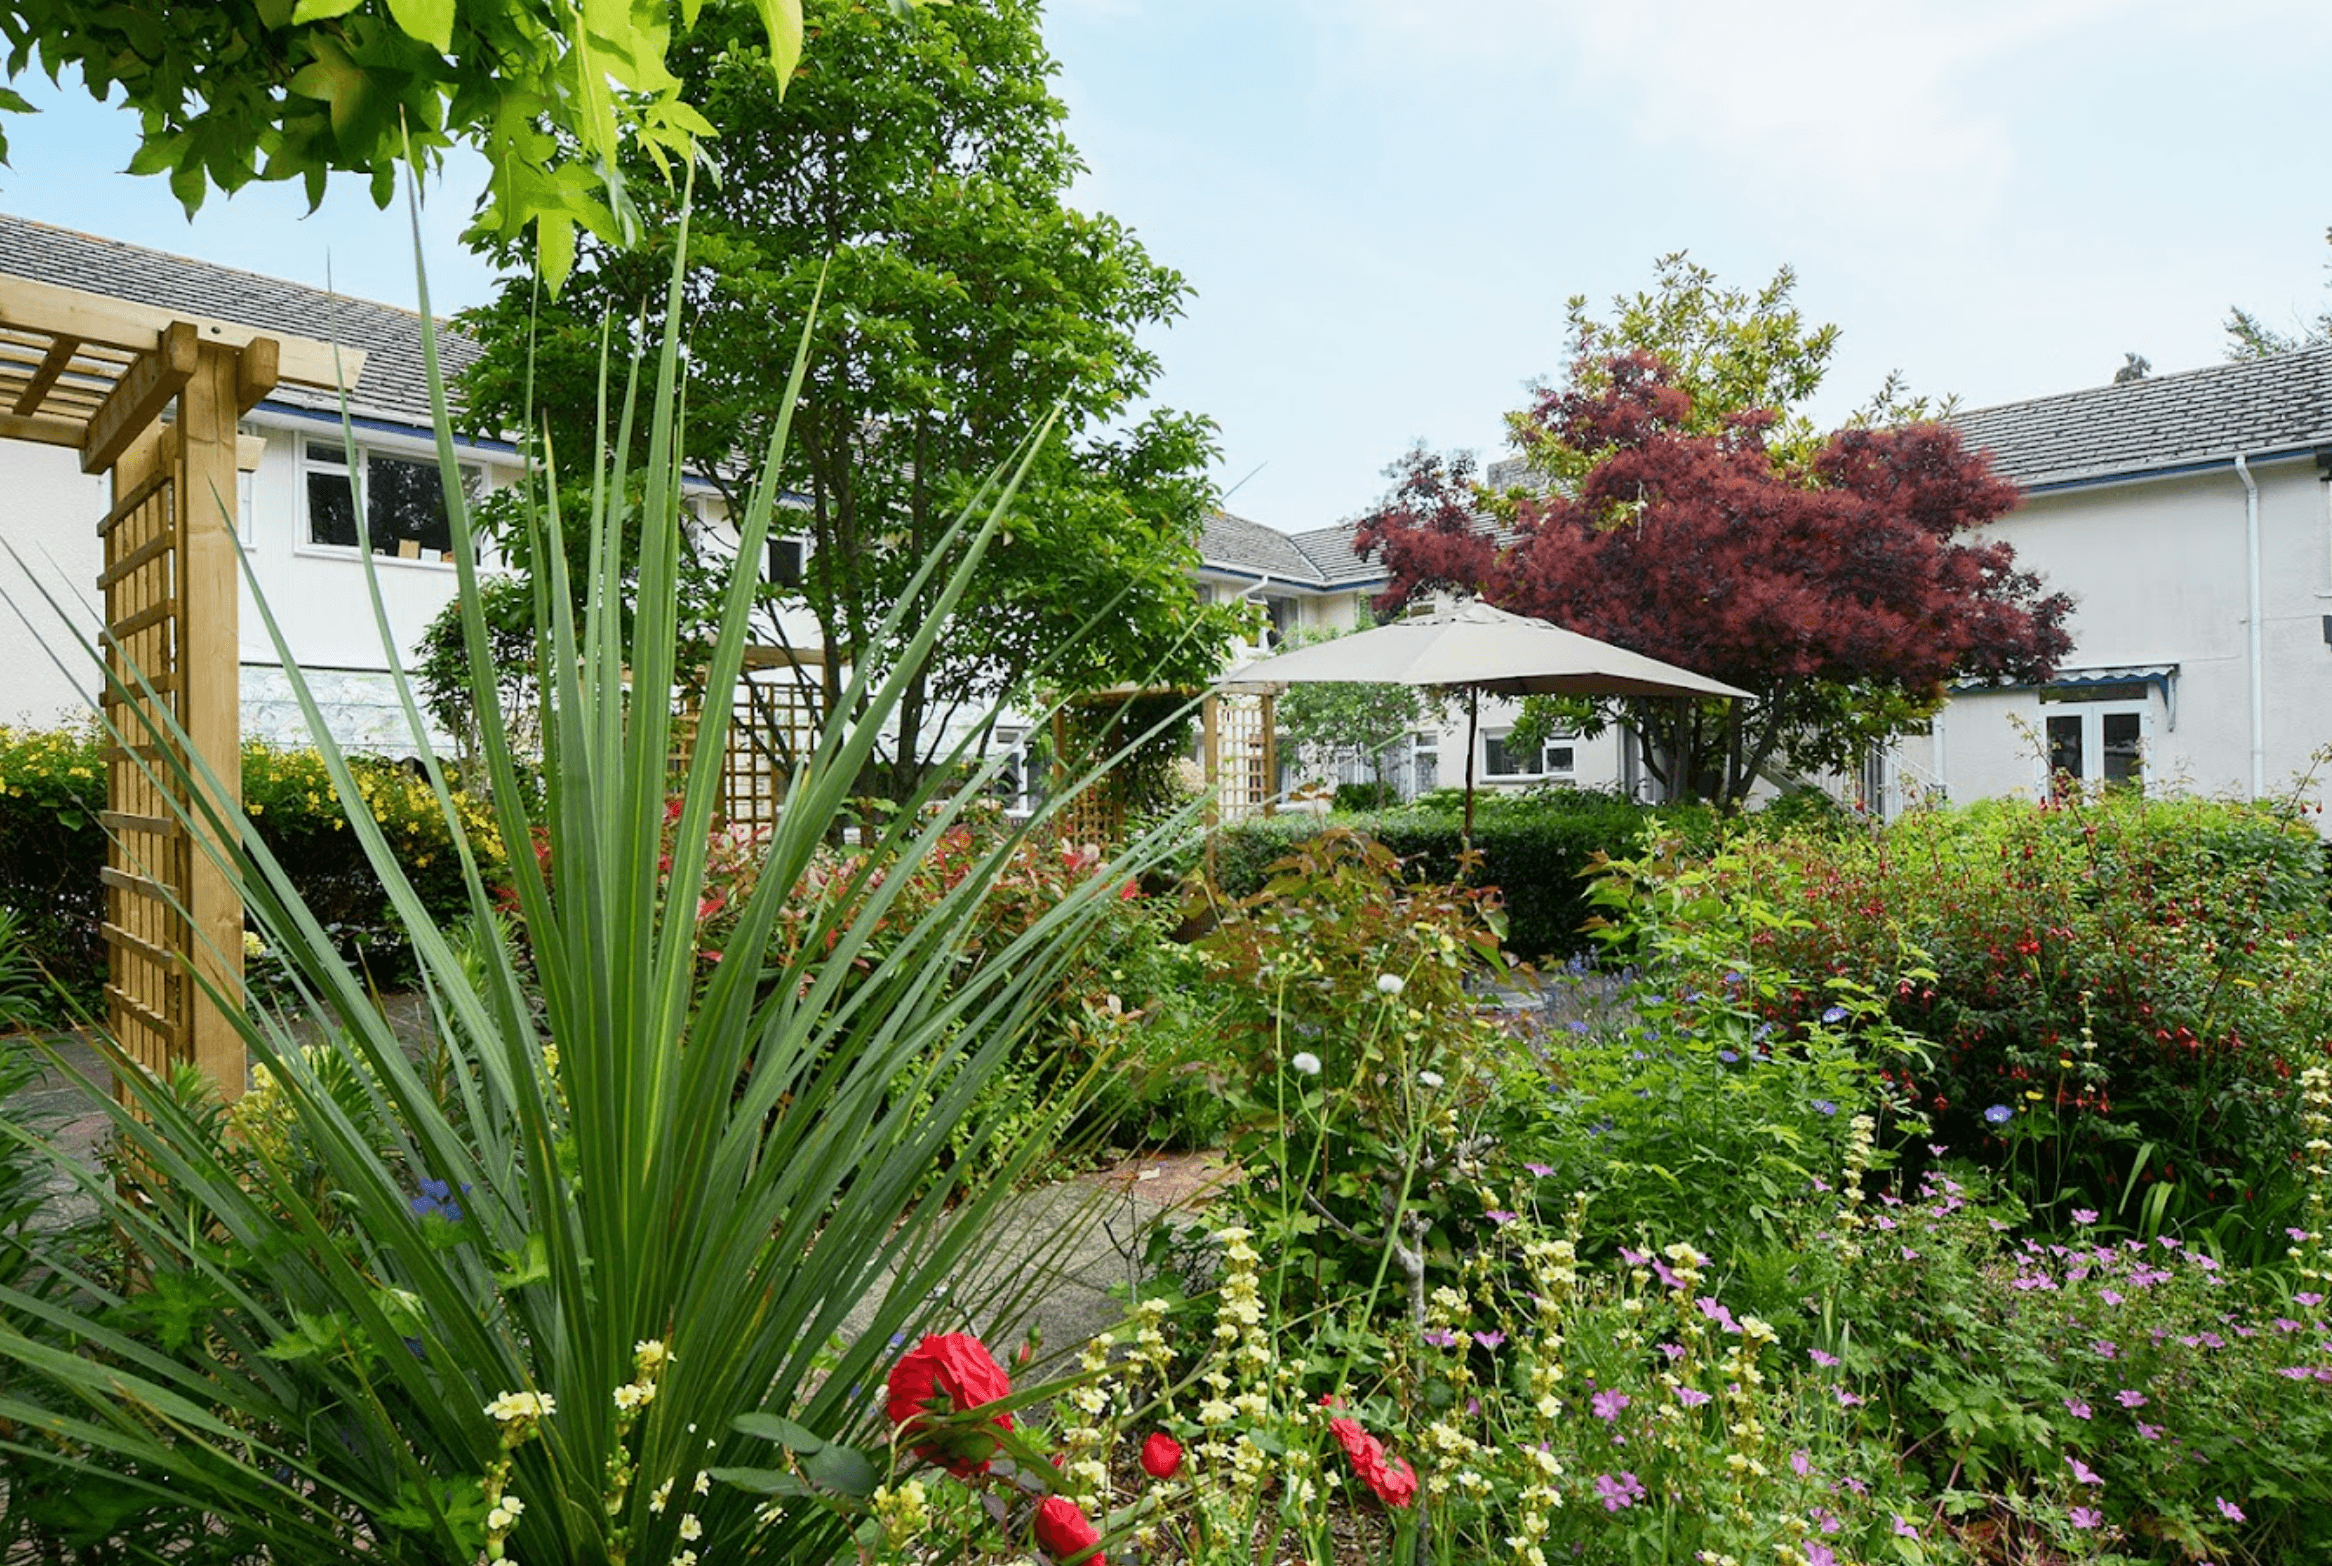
(723, 1163)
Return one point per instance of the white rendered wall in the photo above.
(48, 516)
(2159, 573)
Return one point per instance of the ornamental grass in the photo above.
(508, 1302)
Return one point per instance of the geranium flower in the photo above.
(2129, 1397)
(2085, 1516)
(2228, 1509)
(1998, 1115)
(1161, 1455)
(1607, 1404)
(947, 1373)
(1691, 1397)
(1826, 1361)
(2083, 1473)
(1393, 1480)
(1619, 1493)
(1065, 1533)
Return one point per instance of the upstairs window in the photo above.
(403, 497)
(786, 561)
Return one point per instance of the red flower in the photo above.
(945, 1374)
(1161, 1455)
(1063, 1530)
(1395, 1482)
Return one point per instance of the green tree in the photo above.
(231, 91)
(2248, 337)
(911, 181)
(1337, 723)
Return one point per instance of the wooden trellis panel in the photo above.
(172, 911)
(773, 724)
(1240, 753)
(147, 850)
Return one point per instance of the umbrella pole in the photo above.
(1473, 711)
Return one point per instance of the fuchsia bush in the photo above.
(2119, 991)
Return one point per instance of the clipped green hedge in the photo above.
(1535, 849)
(52, 786)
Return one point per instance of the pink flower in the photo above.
(2077, 1408)
(1691, 1397)
(1801, 1463)
(1848, 1399)
(2083, 1473)
(2086, 1516)
(2130, 1398)
(1826, 1361)
(1607, 1404)
(2148, 1432)
(1619, 1494)
(2228, 1509)
(1903, 1528)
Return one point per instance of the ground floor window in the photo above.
(2097, 741)
(1555, 761)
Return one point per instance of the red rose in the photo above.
(1063, 1530)
(947, 1373)
(1394, 1482)
(1161, 1455)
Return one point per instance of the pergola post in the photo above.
(97, 375)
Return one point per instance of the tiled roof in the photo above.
(1330, 551)
(392, 386)
(2173, 421)
(1235, 544)
(1321, 559)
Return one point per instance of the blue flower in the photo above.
(1998, 1115)
(1824, 1106)
(1727, 1056)
(437, 1197)
(1834, 1014)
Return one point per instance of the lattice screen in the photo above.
(773, 724)
(1241, 754)
(147, 853)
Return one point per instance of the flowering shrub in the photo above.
(52, 788)
(1346, 994)
(2119, 990)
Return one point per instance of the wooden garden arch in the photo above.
(152, 397)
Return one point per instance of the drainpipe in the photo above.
(2258, 655)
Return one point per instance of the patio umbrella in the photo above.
(1478, 649)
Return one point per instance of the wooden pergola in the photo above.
(153, 397)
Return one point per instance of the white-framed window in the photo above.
(789, 560)
(1285, 617)
(2097, 734)
(1557, 760)
(1424, 762)
(403, 498)
(1015, 785)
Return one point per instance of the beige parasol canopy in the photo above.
(1478, 649)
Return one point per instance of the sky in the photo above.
(1382, 206)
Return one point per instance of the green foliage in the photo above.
(914, 178)
(1677, 1107)
(52, 788)
(626, 1201)
(2129, 986)
(274, 90)
(1330, 723)
(1347, 1001)
(1536, 849)
(2164, 1373)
